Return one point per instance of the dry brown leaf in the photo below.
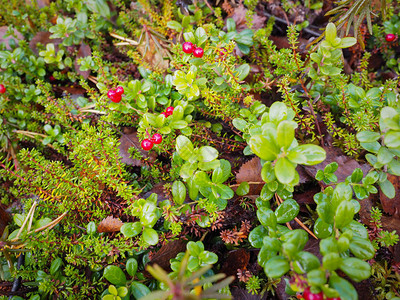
(154, 57)
(43, 37)
(4, 220)
(84, 51)
(250, 171)
(131, 140)
(166, 252)
(239, 16)
(236, 259)
(109, 224)
(5, 40)
(391, 206)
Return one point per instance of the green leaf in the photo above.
(346, 289)
(207, 258)
(112, 290)
(178, 192)
(122, 291)
(392, 139)
(357, 175)
(384, 155)
(114, 275)
(322, 230)
(131, 229)
(207, 154)
(305, 262)
(174, 25)
(184, 147)
(222, 173)
(362, 248)
(267, 217)
(344, 214)
(257, 235)
(131, 266)
(314, 154)
(230, 24)
(285, 133)
(195, 248)
(239, 124)
(18, 219)
(189, 37)
(242, 71)
(330, 32)
(243, 189)
(264, 147)
(316, 277)
(355, 268)
(277, 112)
(387, 188)
(287, 211)
(276, 267)
(368, 136)
(325, 212)
(331, 261)
(358, 229)
(55, 265)
(222, 191)
(91, 228)
(347, 42)
(150, 236)
(139, 290)
(201, 36)
(285, 170)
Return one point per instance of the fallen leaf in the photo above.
(40, 3)
(391, 206)
(4, 220)
(236, 259)
(239, 16)
(346, 164)
(43, 37)
(109, 224)
(5, 40)
(152, 55)
(84, 51)
(167, 252)
(250, 171)
(131, 140)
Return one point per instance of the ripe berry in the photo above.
(169, 110)
(187, 47)
(336, 298)
(198, 52)
(311, 296)
(2, 89)
(114, 97)
(119, 90)
(165, 114)
(390, 37)
(147, 144)
(156, 138)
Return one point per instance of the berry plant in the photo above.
(199, 150)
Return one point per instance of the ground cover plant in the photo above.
(154, 149)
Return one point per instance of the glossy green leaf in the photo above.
(257, 235)
(266, 217)
(276, 267)
(384, 155)
(322, 229)
(331, 261)
(287, 211)
(178, 192)
(55, 265)
(346, 289)
(284, 170)
(392, 139)
(263, 147)
(207, 154)
(342, 192)
(207, 258)
(243, 189)
(265, 255)
(150, 236)
(239, 124)
(355, 268)
(344, 214)
(362, 248)
(328, 245)
(114, 275)
(313, 154)
(285, 133)
(131, 266)
(267, 172)
(184, 147)
(222, 173)
(316, 277)
(305, 262)
(139, 290)
(277, 112)
(325, 212)
(131, 229)
(368, 136)
(330, 32)
(387, 188)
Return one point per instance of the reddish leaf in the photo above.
(109, 224)
(391, 206)
(43, 37)
(84, 51)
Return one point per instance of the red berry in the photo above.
(169, 110)
(187, 47)
(336, 298)
(198, 52)
(52, 78)
(165, 114)
(114, 97)
(156, 138)
(390, 37)
(311, 296)
(119, 90)
(147, 144)
(2, 89)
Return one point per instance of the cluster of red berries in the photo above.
(189, 47)
(168, 111)
(147, 144)
(390, 37)
(116, 95)
(2, 89)
(307, 295)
